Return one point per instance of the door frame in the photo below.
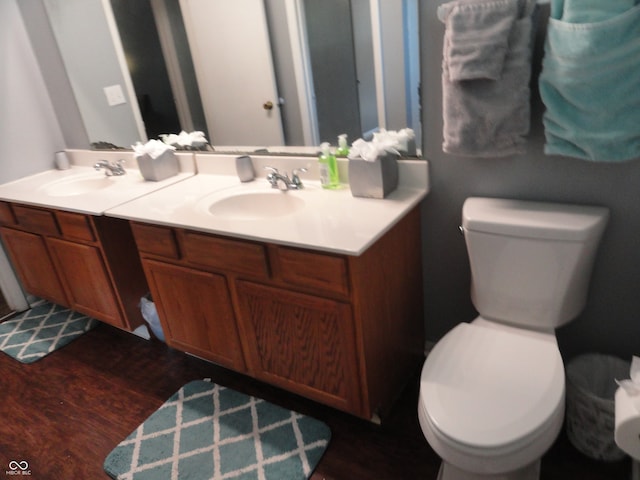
(302, 71)
(174, 72)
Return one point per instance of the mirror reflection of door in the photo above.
(234, 67)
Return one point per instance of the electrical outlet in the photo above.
(115, 95)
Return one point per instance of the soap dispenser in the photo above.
(329, 177)
(343, 148)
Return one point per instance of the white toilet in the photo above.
(492, 391)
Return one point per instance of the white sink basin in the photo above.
(78, 185)
(256, 205)
(83, 189)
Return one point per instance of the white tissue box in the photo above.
(375, 179)
(165, 166)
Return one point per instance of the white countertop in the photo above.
(331, 221)
(325, 220)
(83, 189)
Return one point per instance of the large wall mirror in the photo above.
(258, 73)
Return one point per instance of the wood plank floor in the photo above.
(65, 413)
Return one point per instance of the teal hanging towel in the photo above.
(590, 80)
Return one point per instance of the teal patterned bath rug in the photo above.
(209, 432)
(41, 330)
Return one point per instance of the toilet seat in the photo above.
(489, 391)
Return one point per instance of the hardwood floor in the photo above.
(65, 413)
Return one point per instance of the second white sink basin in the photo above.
(256, 205)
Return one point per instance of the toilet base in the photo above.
(449, 472)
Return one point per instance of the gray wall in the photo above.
(44, 45)
(28, 125)
(610, 322)
(80, 42)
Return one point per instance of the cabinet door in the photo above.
(84, 273)
(195, 312)
(303, 343)
(33, 264)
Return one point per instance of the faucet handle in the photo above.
(295, 178)
(272, 176)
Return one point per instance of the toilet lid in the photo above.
(487, 388)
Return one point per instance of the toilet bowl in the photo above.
(506, 414)
(492, 391)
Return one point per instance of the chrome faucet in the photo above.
(282, 181)
(111, 168)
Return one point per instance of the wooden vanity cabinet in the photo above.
(303, 343)
(88, 264)
(196, 312)
(86, 279)
(6, 214)
(33, 264)
(344, 330)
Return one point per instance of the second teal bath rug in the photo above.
(41, 330)
(206, 431)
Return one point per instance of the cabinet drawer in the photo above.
(238, 256)
(76, 226)
(6, 215)
(36, 220)
(315, 270)
(155, 240)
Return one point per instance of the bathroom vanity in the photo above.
(313, 291)
(86, 263)
(343, 330)
(62, 246)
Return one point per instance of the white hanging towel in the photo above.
(485, 76)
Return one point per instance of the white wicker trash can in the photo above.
(590, 414)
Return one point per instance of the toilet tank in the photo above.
(530, 262)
